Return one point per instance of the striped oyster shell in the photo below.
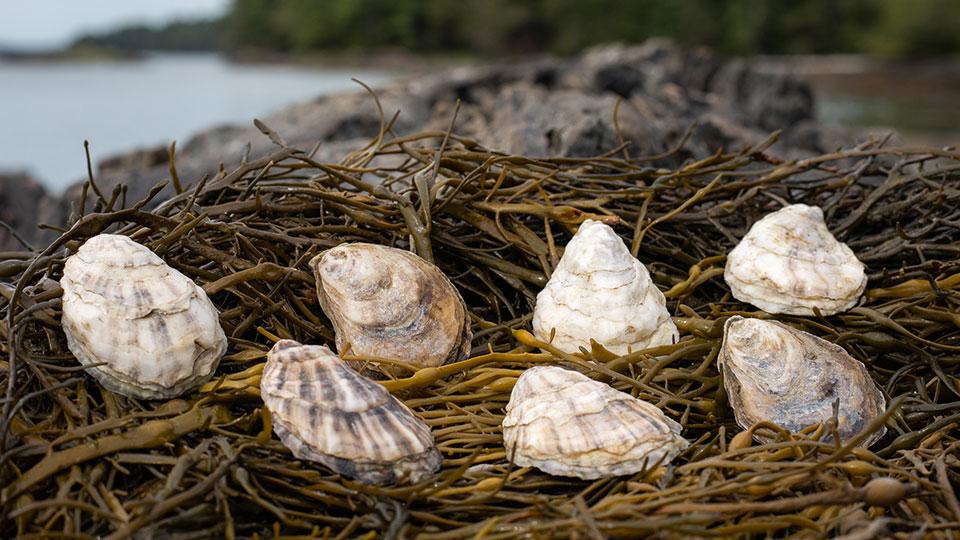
(788, 262)
(601, 292)
(389, 303)
(773, 372)
(154, 331)
(324, 411)
(566, 424)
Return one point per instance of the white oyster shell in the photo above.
(324, 411)
(566, 424)
(601, 292)
(773, 372)
(154, 330)
(788, 262)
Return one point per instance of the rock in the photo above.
(532, 121)
(20, 196)
(767, 100)
(628, 70)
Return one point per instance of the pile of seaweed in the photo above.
(80, 462)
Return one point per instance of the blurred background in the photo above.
(126, 74)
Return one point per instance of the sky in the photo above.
(54, 23)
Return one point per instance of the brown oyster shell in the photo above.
(773, 372)
(389, 303)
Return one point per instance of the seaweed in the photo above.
(77, 461)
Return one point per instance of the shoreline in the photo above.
(836, 64)
(381, 59)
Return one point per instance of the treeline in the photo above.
(197, 35)
(900, 28)
(894, 28)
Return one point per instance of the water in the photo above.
(916, 121)
(47, 109)
(918, 100)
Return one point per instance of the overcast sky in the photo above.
(51, 23)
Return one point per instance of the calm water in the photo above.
(917, 121)
(47, 109)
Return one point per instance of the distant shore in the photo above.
(69, 54)
(381, 59)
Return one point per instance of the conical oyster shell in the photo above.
(566, 424)
(153, 329)
(601, 292)
(324, 411)
(776, 373)
(389, 303)
(788, 262)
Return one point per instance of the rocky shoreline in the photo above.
(538, 107)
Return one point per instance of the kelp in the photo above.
(80, 462)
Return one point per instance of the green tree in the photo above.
(251, 23)
(911, 28)
(890, 27)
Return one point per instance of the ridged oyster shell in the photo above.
(324, 411)
(566, 424)
(153, 329)
(601, 292)
(773, 372)
(789, 262)
(389, 303)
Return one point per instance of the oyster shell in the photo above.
(154, 330)
(324, 411)
(601, 292)
(566, 424)
(389, 303)
(776, 373)
(788, 262)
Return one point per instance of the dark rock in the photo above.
(20, 196)
(767, 100)
(532, 121)
(619, 79)
(628, 70)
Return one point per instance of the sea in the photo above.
(49, 108)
